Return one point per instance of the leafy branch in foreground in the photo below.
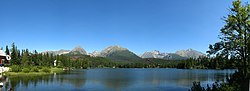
(235, 45)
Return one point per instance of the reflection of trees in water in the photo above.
(182, 77)
(186, 78)
(77, 79)
(118, 83)
(112, 78)
(116, 79)
(26, 81)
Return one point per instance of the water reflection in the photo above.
(115, 80)
(112, 79)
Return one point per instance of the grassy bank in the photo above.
(34, 71)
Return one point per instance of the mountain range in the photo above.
(179, 55)
(118, 53)
(74, 51)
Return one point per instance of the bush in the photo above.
(26, 70)
(215, 87)
(39, 67)
(34, 69)
(197, 87)
(16, 68)
(46, 70)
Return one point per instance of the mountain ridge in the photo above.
(75, 50)
(117, 52)
(178, 55)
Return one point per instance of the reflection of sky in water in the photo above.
(119, 79)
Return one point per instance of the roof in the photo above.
(2, 53)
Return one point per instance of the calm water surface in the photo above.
(117, 80)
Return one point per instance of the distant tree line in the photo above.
(204, 62)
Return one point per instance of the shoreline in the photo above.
(52, 71)
(60, 70)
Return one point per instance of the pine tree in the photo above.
(25, 57)
(7, 50)
(235, 39)
(35, 58)
(14, 57)
(235, 42)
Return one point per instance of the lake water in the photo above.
(155, 79)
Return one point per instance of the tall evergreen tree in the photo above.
(14, 55)
(234, 36)
(35, 58)
(7, 50)
(25, 57)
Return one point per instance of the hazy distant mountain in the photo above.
(153, 54)
(60, 52)
(78, 50)
(118, 53)
(94, 54)
(166, 56)
(173, 56)
(179, 55)
(190, 53)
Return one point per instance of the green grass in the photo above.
(56, 70)
(52, 70)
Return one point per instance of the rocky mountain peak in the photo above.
(113, 48)
(94, 54)
(190, 53)
(156, 52)
(78, 49)
(153, 54)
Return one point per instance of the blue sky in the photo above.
(139, 25)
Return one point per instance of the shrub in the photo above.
(39, 67)
(26, 70)
(46, 70)
(34, 69)
(16, 68)
(197, 87)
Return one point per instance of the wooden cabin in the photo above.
(3, 58)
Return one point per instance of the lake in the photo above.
(153, 79)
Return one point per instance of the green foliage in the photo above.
(7, 50)
(34, 69)
(233, 49)
(215, 87)
(26, 70)
(97, 62)
(208, 63)
(46, 69)
(25, 57)
(226, 87)
(235, 36)
(14, 55)
(160, 63)
(197, 87)
(16, 68)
